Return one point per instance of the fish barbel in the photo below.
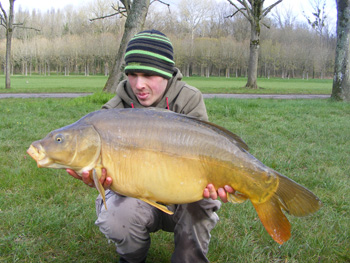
(162, 157)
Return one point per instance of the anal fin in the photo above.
(236, 198)
(159, 206)
(96, 175)
(273, 219)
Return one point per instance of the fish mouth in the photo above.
(38, 154)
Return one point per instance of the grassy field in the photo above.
(54, 83)
(48, 216)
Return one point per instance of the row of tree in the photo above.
(205, 42)
(298, 54)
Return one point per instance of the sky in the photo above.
(297, 6)
(44, 5)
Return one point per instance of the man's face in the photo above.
(149, 89)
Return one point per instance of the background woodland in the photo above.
(207, 41)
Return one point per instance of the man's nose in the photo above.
(140, 82)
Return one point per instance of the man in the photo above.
(153, 81)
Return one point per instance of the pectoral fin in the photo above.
(96, 175)
(159, 206)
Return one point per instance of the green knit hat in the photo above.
(150, 52)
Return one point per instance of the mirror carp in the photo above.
(162, 158)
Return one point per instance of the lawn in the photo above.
(48, 216)
(73, 83)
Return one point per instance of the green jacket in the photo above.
(182, 98)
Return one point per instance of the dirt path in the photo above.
(42, 95)
(237, 96)
(268, 96)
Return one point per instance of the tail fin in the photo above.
(296, 199)
(291, 197)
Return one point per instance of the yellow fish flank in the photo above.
(162, 157)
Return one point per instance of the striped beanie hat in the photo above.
(150, 52)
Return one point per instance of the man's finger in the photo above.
(73, 173)
(222, 194)
(212, 192)
(206, 193)
(107, 183)
(229, 189)
(86, 179)
(103, 176)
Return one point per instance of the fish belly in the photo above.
(157, 176)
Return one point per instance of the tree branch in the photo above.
(3, 22)
(238, 10)
(269, 8)
(266, 25)
(25, 27)
(168, 5)
(246, 14)
(102, 17)
(120, 10)
(3, 12)
(127, 5)
(250, 11)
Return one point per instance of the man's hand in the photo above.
(85, 177)
(210, 192)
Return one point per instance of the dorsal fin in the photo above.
(234, 138)
(230, 135)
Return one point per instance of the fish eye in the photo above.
(59, 138)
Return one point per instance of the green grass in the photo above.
(48, 216)
(74, 83)
(266, 86)
(53, 83)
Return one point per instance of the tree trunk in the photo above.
(341, 80)
(9, 32)
(187, 70)
(254, 12)
(106, 69)
(134, 22)
(253, 53)
(227, 72)
(207, 74)
(202, 70)
(252, 67)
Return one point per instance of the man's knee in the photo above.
(127, 220)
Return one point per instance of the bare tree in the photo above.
(192, 14)
(319, 16)
(254, 11)
(7, 21)
(341, 80)
(284, 17)
(135, 13)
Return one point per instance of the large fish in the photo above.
(162, 157)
